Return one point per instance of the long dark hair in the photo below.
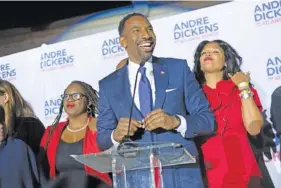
(16, 106)
(92, 100)
(233, 60)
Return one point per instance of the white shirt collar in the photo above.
(133, 67)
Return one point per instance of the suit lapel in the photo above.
(125, 96)
(161, 78)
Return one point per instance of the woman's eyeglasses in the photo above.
(74, 96)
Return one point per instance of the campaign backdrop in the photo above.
(252, 27)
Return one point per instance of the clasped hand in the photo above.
(239, 77)
(154, 120)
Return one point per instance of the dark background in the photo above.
(36, 13)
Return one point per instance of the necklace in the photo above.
(77, 130)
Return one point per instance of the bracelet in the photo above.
(246, 89)
(246, 94)
(243, 85)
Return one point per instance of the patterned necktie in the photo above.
(145, 93)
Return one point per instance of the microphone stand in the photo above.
(126, 142)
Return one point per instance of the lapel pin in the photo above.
(162, 72)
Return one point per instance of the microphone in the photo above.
(126, 142)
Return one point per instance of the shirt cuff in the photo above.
(182, 127)
(115, 144)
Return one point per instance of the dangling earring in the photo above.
(224, 67)
(89, 109)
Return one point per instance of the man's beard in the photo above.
(145, 56)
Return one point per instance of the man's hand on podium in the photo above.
(122, 128)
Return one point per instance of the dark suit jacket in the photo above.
(275, 110)
(18, 167)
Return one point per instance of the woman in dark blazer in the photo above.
(17, 161)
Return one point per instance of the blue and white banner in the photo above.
(251, 27)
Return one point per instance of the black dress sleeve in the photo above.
(30, 130)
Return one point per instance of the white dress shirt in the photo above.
(132, 71)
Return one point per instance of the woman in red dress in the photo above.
(228, 156)
(77, 135)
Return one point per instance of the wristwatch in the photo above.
(179, 119)
(246, 94)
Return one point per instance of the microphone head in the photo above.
(142, 63)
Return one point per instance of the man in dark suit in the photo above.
(275, 110)
(169, 105)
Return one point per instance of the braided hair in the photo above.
(92, 110)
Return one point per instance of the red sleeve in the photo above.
(257, 99)
(45, 136)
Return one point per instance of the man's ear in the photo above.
(123, 42)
